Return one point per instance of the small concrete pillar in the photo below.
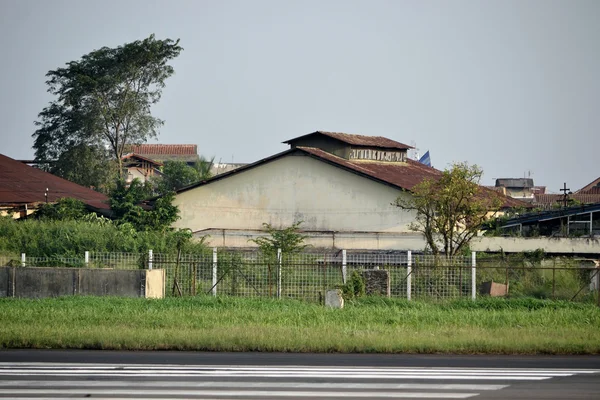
(334, 299)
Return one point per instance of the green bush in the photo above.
(47, 238)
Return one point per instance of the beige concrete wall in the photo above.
(550, 245)
(321, 240)
(155, 283)
(290, 189)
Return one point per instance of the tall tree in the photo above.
(451, 209)
(105, 99)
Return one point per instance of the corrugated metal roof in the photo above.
(358, 140)
(404, 175)
(22, 184)
(139, 157)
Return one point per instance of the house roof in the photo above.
(401, 175)
(166, 152)
(547, 200)
(357, 140)
(142, 158)
(21, 184)
(595, 184)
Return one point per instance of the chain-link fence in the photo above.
(308, 276)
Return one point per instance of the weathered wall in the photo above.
(289, 189)
(321, 240)
(54, 282)
(550, 245)
(107, 282)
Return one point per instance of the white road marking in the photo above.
(228, 384)
(240, 393)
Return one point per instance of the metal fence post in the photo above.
(344, 270)
(23, 258)
(150, 259)
(86, 257)
(408, 275)
(278, 273)
(473, 275)
(214, 272)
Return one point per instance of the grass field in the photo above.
(494, 326)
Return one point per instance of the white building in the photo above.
(341, 186)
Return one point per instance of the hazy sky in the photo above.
(512, 86)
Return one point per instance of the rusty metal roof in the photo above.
(358, 140)
(142, 158)
(404, 175)
(21, 184)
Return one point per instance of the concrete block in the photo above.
(493, 289)
(155, 283)
(377, 282)
(334, 299)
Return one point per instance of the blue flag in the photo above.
(425, 159)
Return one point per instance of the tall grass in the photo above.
(44, 238)
(524, 326)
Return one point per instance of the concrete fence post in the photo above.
(150, 259)
(344, 267)
(23, 258)
(473, 275)
(408, 275)
(214, 272)
(279, 273)
(86, 258)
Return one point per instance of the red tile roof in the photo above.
(164, 149)
(547, 200)
(592, 185)
(359, 140)
(22, 184)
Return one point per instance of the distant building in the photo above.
(519, 188)
(139, 167)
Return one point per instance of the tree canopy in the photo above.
(104, 99)
(451, 209)
(178, 174)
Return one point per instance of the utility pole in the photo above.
(566, 193)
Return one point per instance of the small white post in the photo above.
(278, 273)
(344, 268)
(87, 259)
(214, 274)
(473, 275)
(408, 275)
(23, 258)
(150, 259)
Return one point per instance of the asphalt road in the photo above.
(115, 374)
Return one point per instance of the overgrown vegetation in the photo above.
(450, 210)
(365, 325)
(64, 238)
